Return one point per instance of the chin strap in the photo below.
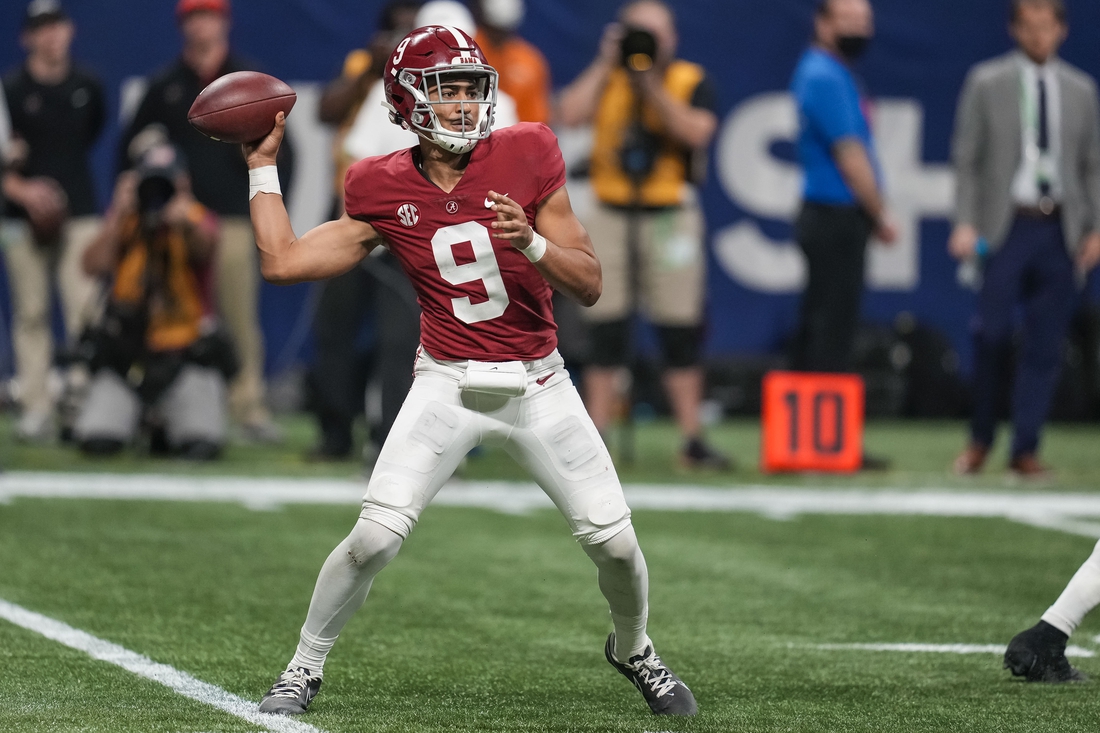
(394, 117)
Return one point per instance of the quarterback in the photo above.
(482, 225)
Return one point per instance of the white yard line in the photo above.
(142, 666)
(1071, 651)
(1063, 512)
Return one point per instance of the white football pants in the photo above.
(547, 431)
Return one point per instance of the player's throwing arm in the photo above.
(328, 250)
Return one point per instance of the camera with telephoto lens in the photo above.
(157, 173)
(154, 192)
(638, 49)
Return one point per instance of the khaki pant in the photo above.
(193, 408)
(31, 268)
(237, 271)
(670, 259)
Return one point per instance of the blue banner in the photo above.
(914, 71)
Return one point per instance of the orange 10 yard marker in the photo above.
(812, 422)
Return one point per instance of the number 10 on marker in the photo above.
(812, 422)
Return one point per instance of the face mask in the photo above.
(852, 47)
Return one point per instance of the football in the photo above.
(240, 107)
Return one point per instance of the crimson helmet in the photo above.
(425, 59)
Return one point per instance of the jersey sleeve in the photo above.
(831, 108)
(547, 162)
(355, 189)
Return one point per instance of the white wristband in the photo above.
(264, 179)
(536, 249)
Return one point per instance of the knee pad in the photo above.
(607, 517)
(389, 502)
(610, 343)
(681, 346)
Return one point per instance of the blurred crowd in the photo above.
(162, 342)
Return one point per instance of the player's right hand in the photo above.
(265, 150)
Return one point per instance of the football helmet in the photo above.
(414, 77)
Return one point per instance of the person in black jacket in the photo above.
(219, 176)
(57, 111)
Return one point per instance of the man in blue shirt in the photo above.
(843, 204)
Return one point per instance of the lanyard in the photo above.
(1029, 112)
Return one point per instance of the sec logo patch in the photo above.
(408, 215)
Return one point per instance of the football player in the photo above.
(1038, 654)
(482, 225)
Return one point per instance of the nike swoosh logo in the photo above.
(489, 203)
(545, 379)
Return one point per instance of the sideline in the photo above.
(1072, 513)
(999, 649)
(142, 666)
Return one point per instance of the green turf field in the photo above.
(920, 454)
(493, 622)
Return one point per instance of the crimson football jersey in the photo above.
(480, 297)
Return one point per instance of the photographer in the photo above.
(156, 358)
(653, 118)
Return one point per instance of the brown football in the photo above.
(240, 107)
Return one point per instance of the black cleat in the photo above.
(291, 693)
(1039, 655)
(665, 693)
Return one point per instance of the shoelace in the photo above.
(290, 684)
(655, 674)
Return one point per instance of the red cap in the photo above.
(186, 7)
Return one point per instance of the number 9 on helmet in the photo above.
(414, 78)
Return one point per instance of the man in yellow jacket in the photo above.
(653, 118)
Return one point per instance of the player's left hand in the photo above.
(511, 223)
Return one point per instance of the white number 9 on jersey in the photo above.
(483, 268)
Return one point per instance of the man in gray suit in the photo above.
(1027, 160)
